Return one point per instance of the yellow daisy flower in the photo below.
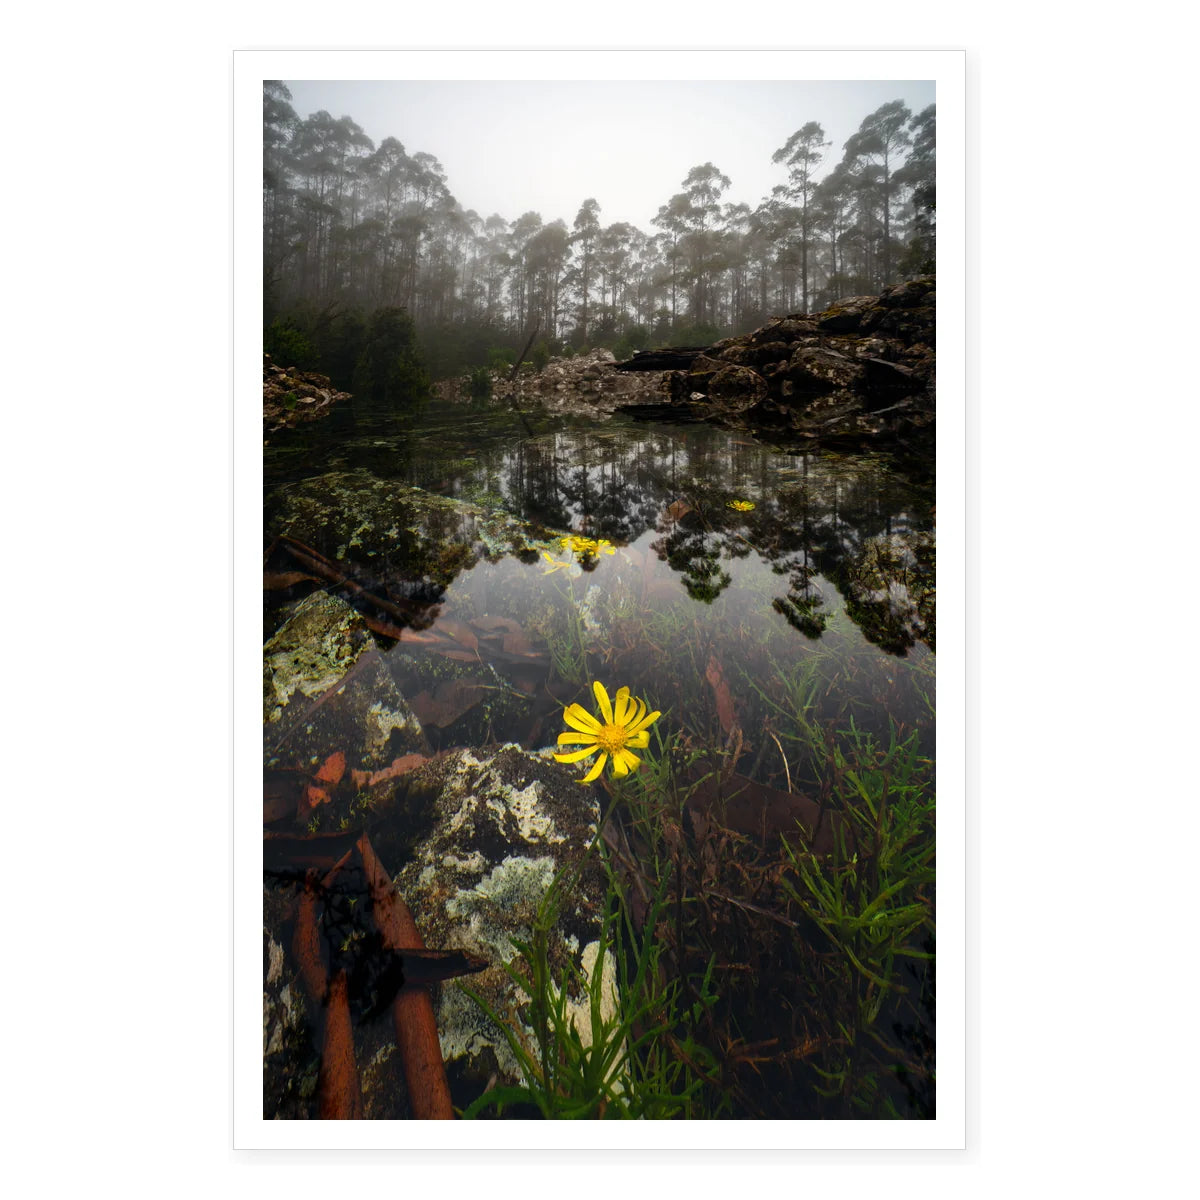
(573, 542)
(583, 546)
(556, 564)
(624, 724)
(740, 505)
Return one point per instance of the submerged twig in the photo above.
(786, 771)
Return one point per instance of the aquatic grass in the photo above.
(871, 896)
(634, 1058)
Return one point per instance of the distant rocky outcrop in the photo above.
(861, 371)
(292, 397)
(583, 383)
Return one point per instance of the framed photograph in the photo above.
(599, 599)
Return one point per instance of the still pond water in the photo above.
(778, 608)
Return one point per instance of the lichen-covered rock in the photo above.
(737, 387)
(846, 315)
(815, 369)
(291, 1056)
(504, 826)
(860, 372)
(365, 719)
(357, 516)
(754, 355)
(314, 648)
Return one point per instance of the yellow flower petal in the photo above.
(577, 755)
(645, 722)
(579, 739)
(624, 762)
(579, 718)
(594, 773)
(639, 741)
(621, 706)
(602, 699)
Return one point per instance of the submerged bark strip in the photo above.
(338, 1088)
(416, 1028)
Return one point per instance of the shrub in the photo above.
(288, 346)
(389, 369)
(479, 383)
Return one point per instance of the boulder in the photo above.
(817, 370)
(355, 515)
(737, 386)
(504, 825)
(846, 315)
(315, 647)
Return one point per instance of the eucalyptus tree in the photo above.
(833, 213)
(350, 225)
(521, 233)
(919, 173)
(497, 261)
(735, 220)
(325, 151)
(585, 234)
(803, 153)
(879, 140)
(279, 127)
(703, 188)
(612, 258)
(759, 250)
(672, 220)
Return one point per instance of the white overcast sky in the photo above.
(511, 147)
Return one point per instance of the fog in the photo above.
(514, 147)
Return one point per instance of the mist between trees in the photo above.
(367, 252)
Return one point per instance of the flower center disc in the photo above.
(611, 738)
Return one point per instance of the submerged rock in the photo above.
(357, 516)
(327, 691)
(504, 826)
(314, 648)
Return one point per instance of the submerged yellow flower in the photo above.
(740, 505)
(625, 724)
(584, 546)
(556, 564)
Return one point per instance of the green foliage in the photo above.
(872, 898)
(638, 337)
(539, 356)
(289, 346)
(696, 334)
(479, 383)
(500, 357)
(639, 1061)
(341, 341)
(388, 368)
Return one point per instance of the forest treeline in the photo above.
(366, 248)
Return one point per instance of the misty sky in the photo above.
(511, 147)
